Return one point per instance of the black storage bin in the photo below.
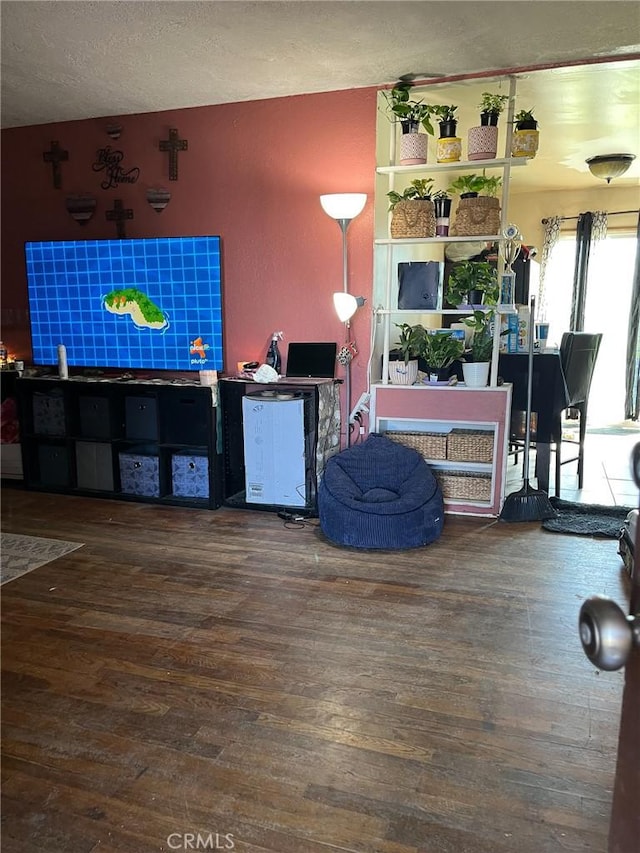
(186, 416)
(141, 417)
(54, 465)
(95, 417)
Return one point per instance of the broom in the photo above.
(528, 504)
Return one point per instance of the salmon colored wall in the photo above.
(253, 173)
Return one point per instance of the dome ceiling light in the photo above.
(609, 166)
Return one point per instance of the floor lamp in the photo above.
(343, 207)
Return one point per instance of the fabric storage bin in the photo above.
(94, 466)
(430, 445)
(470, 445)
(141, 417)
(95, 421)
(190, 475)
(464, 485)
(48, 413)
(54, 465)
(140, 474)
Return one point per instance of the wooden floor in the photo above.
(191, 672)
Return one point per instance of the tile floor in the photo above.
(607, 478)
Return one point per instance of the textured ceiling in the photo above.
(72, 60)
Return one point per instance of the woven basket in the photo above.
(462, 485)
(469, 445)
(430, 445)
(413, 218)
(476, 216)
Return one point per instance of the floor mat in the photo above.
(586, 519)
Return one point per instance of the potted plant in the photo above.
(442, 210)
(412, 210)
(490, 108)
(403, 360)
(526, 136)
(478, 213)
(412, 114)
(472, 283)
(482, 142)
(449, 148)
(477, 363)
(439, 351)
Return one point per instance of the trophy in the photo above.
(509, 250)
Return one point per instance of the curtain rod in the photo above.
(613, 213)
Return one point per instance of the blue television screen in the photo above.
(153, 303)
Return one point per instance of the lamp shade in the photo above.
(346, 305)
(609, 166)
(343, 205)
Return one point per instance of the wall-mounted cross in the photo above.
(173, 144)
(118, 215)
(55, 156)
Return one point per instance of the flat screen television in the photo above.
(150, 304)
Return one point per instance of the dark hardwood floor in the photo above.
(216, 673)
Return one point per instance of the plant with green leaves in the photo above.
(411, 341)
(524, 115)
(472, 275)
(492, 104)
(478, 184)
(440, 194)
(482, 339)
(406, 109)
(441, 349)
(418, 190)
(445, 112)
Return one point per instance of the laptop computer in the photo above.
(317, 360)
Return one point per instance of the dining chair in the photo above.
(578, 354)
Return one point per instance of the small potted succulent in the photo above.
(526, 136)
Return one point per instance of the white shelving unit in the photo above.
(435, 408)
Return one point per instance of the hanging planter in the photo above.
(526, 136)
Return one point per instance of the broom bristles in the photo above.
(527, 504)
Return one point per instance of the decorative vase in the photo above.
(442, 208)
(482, 142)
(403, 374)
(524, 142)
(476, 373)
(413, 149)
(449, 149)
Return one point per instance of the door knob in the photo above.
(606, 633)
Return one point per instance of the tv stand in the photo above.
(141, 440)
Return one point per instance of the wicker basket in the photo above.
(463, 485)
(413, 218)
(476, 216)
(470, 445)
(430, 445)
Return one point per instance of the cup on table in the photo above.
(542, 335)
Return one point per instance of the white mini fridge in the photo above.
(274, 450)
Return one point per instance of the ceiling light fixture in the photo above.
(609, 166)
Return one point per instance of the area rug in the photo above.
(21, 554)
(604, 522)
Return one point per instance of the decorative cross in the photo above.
(55, 156)
(173, 144)
(118, 215)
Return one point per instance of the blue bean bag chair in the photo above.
(380, 494)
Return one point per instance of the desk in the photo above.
(548, 399)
